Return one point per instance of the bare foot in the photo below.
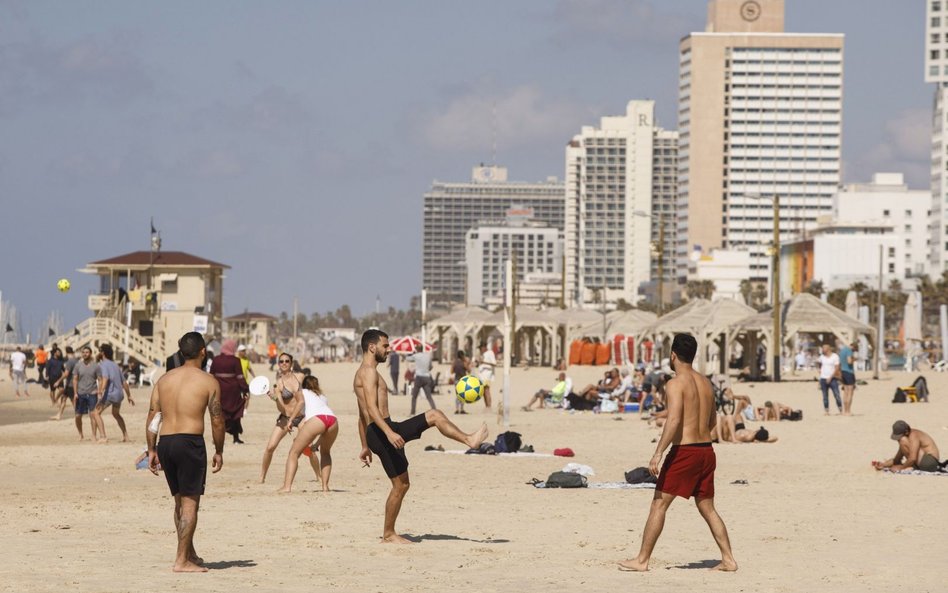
(124, 439)
(188, 567)
(283, 491)
(263, 480)
(82, 438)
(196, 559)
(633, 565)
(395, 539)
(725, 566)
(55, 417)
(474, 440)
(101, 441)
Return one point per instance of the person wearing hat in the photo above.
(245, 363)
(917, 450)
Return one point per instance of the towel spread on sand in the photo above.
(609, 486)
(915, 472)
(463, 451)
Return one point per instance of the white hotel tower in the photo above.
(759, 115)
(936, 71)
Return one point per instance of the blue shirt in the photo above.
(112, 372)
(844, 354)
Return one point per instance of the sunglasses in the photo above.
(284, 361)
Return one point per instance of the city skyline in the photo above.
(287, 147)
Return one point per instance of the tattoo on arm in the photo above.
(214, 406)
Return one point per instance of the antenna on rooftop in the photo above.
(493, 133)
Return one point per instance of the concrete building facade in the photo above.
(936, 72)
(451, 209)
(760, 115)
(887, 200)
(609, 204)
(537, 248)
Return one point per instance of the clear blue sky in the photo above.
(294, 140)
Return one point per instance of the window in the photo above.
(936, 5)
(885, 214)
(933, 54)
(892, 268)
(908, 242)
(936, 21)
(891, 251)
(908, 228)
(908, 213)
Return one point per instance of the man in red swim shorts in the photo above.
(689, 468)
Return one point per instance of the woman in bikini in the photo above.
(287, 394)
(319, 422)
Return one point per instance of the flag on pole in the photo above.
(9, 328)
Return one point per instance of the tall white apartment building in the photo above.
(536, 248)
(760, 115)
(609, 181)
(936, 71)
(451, 209)
(888, 201)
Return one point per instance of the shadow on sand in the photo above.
(444, 537)
(225, 564)
(706, 564)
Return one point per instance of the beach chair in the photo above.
(148, 378)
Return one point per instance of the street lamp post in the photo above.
(775, 280)
(660, 253)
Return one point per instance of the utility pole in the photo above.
(661, 267)
(880, 333)
(776, 280)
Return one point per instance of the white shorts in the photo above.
(486, 376)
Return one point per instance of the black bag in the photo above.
(899, 396)
(508, 442)
(796, 415)
(565, 480)
(640, 475)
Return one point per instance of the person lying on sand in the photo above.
(731, 429)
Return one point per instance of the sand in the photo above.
(813, 516)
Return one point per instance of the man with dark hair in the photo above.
(111, 385)
(423, 380)
(181, 396)
(917, 450)
(689, 469)
(386, 438)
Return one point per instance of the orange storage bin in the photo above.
(603, 353)
(575, 352)
(588, 355)
(617, 348)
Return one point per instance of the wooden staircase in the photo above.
(96, 330)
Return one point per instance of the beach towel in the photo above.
(916, 472)
(519, 454)
(604, 485)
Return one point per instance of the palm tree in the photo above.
(815, 287)
(699, 289)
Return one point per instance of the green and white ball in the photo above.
(469, 389)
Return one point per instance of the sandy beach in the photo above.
(813, 516)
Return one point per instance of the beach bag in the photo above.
(899, 396)
(640, 475)
(796, 415)
(565, 480)
(508, 442)
(608, 406)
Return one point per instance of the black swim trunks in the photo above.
(184, 460)
(393, 460)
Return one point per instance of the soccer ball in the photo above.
(469, 389)
(63, 285)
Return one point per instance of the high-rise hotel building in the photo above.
(936, 71)
(451, 209)
(759, 115)
(610, 178)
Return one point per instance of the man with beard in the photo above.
(386, 438)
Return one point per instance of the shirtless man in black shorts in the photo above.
(181, 396)
(386, 438)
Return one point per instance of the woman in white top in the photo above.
(319, 429)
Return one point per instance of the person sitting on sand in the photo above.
(917, 450)
(608, 383)
(730, 428)
(554, 397)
